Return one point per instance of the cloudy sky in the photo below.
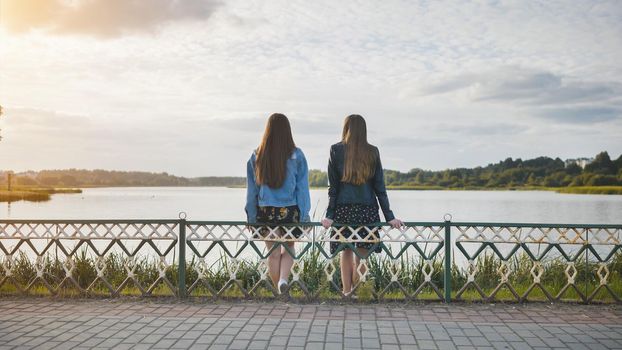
(186, 86)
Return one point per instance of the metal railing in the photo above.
(86, 256)
(443, 261)
(559, 261)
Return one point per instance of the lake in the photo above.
(216, 203)
(224, 204)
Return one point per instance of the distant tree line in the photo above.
(95, 178)
(222, 181)
(538, 172)
(318, 178)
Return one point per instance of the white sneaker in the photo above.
(283, 286)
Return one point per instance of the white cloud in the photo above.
(543, 93)
(102, 18)
(197, 92)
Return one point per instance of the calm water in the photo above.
(210, 203)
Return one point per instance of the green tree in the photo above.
(602, 164)
(573, 169)
(317, 178)
(68, 180)
(419, 178)
(47, 180)
(603, 180)
(577, 181)
(25, 181)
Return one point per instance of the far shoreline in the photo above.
(45, 194)
(34, 194)
(607, 190)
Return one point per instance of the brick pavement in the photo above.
(152, 323)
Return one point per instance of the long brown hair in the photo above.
(276, 147)
(360, 156)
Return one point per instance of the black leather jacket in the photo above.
(371, 193)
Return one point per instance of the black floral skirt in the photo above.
(275, 216)
(357, 215)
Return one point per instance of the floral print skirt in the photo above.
(357, 215)
(276, 216)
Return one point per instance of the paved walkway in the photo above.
(142, 324)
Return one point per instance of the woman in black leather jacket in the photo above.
(356, 187)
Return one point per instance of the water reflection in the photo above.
(209, 203)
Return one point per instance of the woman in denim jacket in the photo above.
(277, 193)
(356, 187)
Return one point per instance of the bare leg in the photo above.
(346, 270)
(274, 262)
(287, 260)
(359, 270)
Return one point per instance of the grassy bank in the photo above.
(573, 189)
(591, 190)
(33, 194)
(417, 188)
(468, 188)
(14, 196)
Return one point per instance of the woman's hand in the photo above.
(326, 222)
(396, 223)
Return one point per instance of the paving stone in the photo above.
(388, 339)
(610, 343)
(455, 332)
(406, 339)
(223, 339)
(239, 344)
(314, 346)
(258, 344)
(183, 344)
(477, 341)
(295, 341)
(520, 346)
(461, 341)
(390, 347)
(333, 346)
(334, 338)
(262, 335)
(93, 324)
(446, 345)
(205, 339)
(511, 337)
(500, 345)
(553, 342)
(278, 341)
(426, 344)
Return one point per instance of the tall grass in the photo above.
(14, 196)
(591, 190)
(33, 194)
(409, 269)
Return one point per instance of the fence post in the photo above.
(447, 271)
(181, 285)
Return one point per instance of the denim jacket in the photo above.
(371, 193)
(294, 191)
